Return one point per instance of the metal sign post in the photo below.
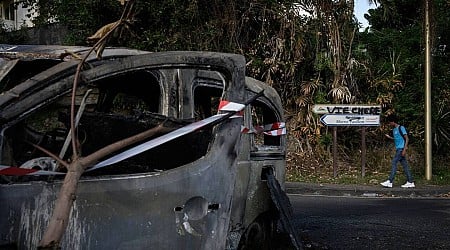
(335, 152)
(363, 151)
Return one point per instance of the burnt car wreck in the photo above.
(206, 183)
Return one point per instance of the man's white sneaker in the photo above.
(387, 184)
(408, 185)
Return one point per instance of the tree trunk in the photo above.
(61, 212)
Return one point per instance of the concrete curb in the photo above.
(367, 191)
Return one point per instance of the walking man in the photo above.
(400, 137)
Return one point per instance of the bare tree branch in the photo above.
(61, 213)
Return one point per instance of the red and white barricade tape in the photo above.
(232, 107)
(274, 129)
(275, 125)
(157, 141)
(277, 132)
(224, 106)
(5, 170)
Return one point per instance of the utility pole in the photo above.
(428, 140)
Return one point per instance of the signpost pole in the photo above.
(363, 151)
(335, 152)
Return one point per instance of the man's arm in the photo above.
(405, 136)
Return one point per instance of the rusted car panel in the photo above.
(203, 190)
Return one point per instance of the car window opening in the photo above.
(116, 108)
(263, 115)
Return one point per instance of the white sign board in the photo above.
(344, 109)
(350, 120)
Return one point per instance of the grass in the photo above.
(318, 168)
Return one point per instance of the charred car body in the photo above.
(212, 187)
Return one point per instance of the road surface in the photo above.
(372, 223)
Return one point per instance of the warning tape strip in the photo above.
(275, 125)
(263, 129)
(232, 107)
(224, 106)
(157, 141)
(277, 132)
(5, 170)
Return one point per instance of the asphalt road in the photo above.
(339, 222)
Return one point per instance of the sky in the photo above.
(361, 7)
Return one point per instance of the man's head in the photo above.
(392, 119)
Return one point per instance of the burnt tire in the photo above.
(259, 234)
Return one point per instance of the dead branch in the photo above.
(61, 213)
(59, 160)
